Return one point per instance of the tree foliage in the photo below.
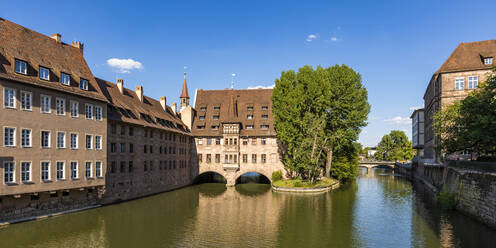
(395, 146)
(469, 123)
(316, 114)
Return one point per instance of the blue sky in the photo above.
(395, 45)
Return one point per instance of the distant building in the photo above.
(460, 74)
(371, 152)
(418, 131)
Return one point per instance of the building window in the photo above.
(89, 111)
(123, 130)
(98, 168)
(263, 158)
(209, 141)
(26, 137)
(226, 159)
(89, 172)
(9, 98)
(21, 67)
(60, 106)
(217, 158)
(473, 81)
(253, 141)
(89, 142)
(249, 108)
(74, 109)
(60, 170)
(113, 147)
(203, 109)
(265, 107)
(25, 171)
(26, 100)
(83, 84)
(245, 141)
(131, 131)
(44, 73)
(9, 172)
(131, 148)
(263, 141)
(216, 117)
(60, 140)
(254, 158)
(145, 148)
(45, 104)
(74, 141)
(45, 139)
(249, 127)
(249, 117)
(112, 166)
(245, 158)
(9, 136)
(65, 79)
(123, 147)
(45, 171)
(98, 113)
(459, 83)
(200, 141)
(209, 158)
(202, 117)
(200, 159)
(122, 167)
(264, 126)
(215, 127)
(98, 142)
(217, 141)
(265, 117)
(216, 107)
(488, 61)
(74, 170)
(131, 169)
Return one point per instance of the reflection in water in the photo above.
(379, 209)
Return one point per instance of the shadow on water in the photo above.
(211, 189)
(252, 189)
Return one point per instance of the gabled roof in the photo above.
(184, 92)
(18, 42)
(128, 108)
(233, 108)
(470, 56)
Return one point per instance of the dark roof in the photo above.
(184, 92)
(18, 42)
(233, 106)
(470, 56)
(128, 108)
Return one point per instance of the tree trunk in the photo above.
(329, 162)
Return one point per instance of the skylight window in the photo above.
(44, 73)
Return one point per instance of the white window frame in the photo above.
(74, 109)
(62, 74)
(86, 108)
(249, 117)
(86, 170)
(74, 170)
(8, 104)
(64, 140)
(473, 81)
(98, 143)
(76, 146)
(42, 104)
(98, 115)
(11, 173)
(98, 169)
(57, 170)
(49, 176)
(57, 101)
(46, 70)
(86, 141)
(25, 67)
(23, 99)
(30, 138)
(488, 61)
(14, 138)
(459, 83)
(29, 172)
(249, 127)
(85, 85)
(49, 139)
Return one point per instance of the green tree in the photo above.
(395, 146)
(315, 112)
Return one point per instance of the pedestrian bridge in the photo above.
(231, 172)
(373, 164)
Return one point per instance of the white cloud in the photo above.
(124, 65)
(311, 37)
(398, 120)
(416, 107)
(261, 87)
(333, 39)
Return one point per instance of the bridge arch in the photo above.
(210, 176)
(252, 176)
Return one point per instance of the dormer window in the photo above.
(216, 107)
(202, 117)
(203, 109)
(249, 126)
(264, 126)
(200, 127)
(265, 107)
(21, 67)
(44, 73)
(83, 84)
(215, 127)
(488, 61)
(65, 79)
(250, 108)
(265, 116)
(216, 117)
(249, 117)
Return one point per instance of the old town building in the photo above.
(148, 145)
(234, 133)
(53, 123)
(460, 74)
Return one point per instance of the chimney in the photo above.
(78, 44)
(56, 37)
(174, 107)
(120, 85)
(163, 102)
(139, 92)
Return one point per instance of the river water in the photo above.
(379, 209)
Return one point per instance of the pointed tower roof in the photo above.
(184, 92)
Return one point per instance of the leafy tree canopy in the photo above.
(395, 146)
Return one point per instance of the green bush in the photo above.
(447, 200)
(276, 176)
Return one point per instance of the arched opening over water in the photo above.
(253, 177)
(209, 177)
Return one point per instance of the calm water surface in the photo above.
(379, 209)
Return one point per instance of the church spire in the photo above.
(184, 97)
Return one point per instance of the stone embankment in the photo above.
(472, 184)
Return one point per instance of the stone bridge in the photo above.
(372, 164)
(231, 172)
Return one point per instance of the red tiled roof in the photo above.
(470, 56)
(18, 42)
(184, 92)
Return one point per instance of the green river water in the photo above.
(379, 209)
